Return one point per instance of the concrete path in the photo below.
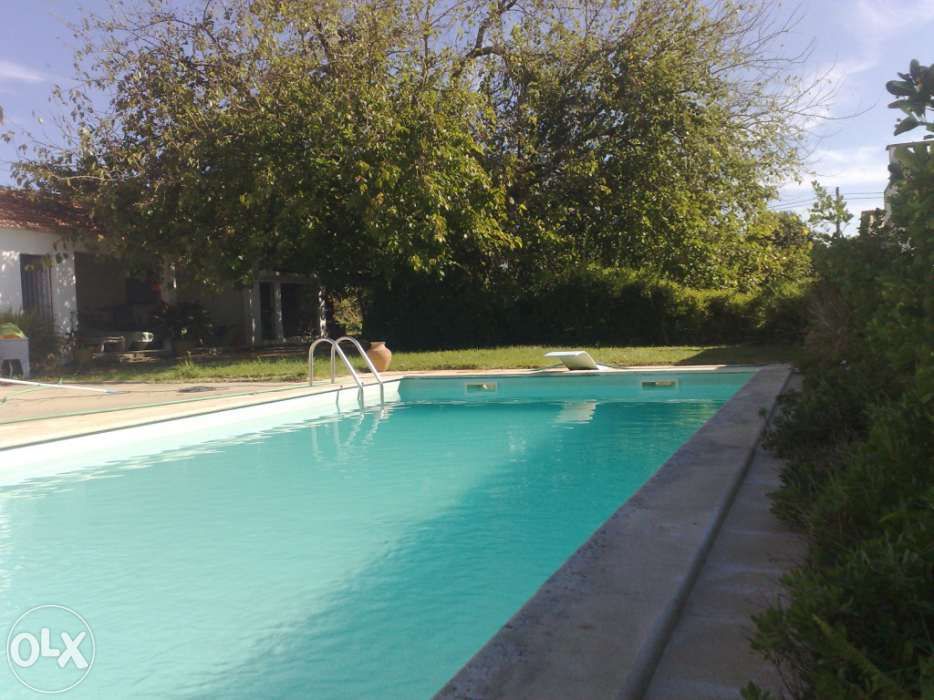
(32, 414)
(708, 655)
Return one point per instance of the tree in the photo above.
(637, 142)
(271, 135)
(828, 212)
(909, 309)
(915, 92)
(783, 252)
(363, 139)
(5, 136)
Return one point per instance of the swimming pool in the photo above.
(295, 549)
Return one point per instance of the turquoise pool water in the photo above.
(361, 556)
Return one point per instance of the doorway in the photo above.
(36, 280)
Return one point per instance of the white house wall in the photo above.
(16, 242)
(235, 307)
(252, 311)
(11, 288)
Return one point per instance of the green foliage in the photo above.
(5, 136)
(271, 135)
(627, 146)
(364, 140)
(347, 315)
(185, 321)
(588, 305)
(753, 692)
(915, 92)
(859, 444)
(860, 612)
(828, 213)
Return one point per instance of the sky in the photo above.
(858, 45)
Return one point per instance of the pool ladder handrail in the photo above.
(366, 358)
(337, 351)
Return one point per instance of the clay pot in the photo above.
(379, 355)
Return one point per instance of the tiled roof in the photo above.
(21, 209)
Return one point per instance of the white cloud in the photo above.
(877, 22)
(857, 169)
(871, 28)
(860, 172)
(846, 167)
(831, 79)
(16, 72)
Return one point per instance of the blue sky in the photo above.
(858, 46)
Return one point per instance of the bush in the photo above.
(187, 321)
(859, 445)
(860, 610)
(594, 306)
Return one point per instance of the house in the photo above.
(45, 273)
(869, 219)
(37, 266)
(895, 151)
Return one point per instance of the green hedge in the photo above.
(589, 306)
(858, 621)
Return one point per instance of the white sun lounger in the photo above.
(575, 359)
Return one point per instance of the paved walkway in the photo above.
(708, 655)
(34, 414)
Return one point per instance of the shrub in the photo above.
(860, 610)
(185, 321)
(593, 305)
(859, 444)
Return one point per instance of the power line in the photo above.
(846, 194)
(793, 204)
(852, 196)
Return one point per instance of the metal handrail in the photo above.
(334, 347)
(366, 358)
(311, 364)
(337, 351)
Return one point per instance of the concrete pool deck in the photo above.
(37, 415)
(708, 655)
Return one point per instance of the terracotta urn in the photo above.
(379, 355)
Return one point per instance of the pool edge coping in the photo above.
(245, 400)
(308, 392)
(560, 643)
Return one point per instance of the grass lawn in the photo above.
(293, 368)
